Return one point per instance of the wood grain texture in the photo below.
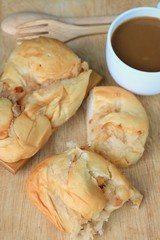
(19, 219)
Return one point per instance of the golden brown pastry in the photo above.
(117, 125)
(43, 84)
(77, 190)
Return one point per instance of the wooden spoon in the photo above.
(10, 23)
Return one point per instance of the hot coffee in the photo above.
(137, 43)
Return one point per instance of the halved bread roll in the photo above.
(117, 125)
(43, 84)
(77, 190)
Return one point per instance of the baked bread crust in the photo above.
(117, 125)
(77, 190)
(43, 84)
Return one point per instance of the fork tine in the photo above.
(35, 24)
(32, 30)
(28, 36)
(21, 39)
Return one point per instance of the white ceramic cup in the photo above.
(136, 81)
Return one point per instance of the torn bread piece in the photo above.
(78, 190)
(117, 125)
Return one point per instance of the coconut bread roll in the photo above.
(117, 125)
(43, 84)
(78, 190)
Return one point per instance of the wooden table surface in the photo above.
(19, 219)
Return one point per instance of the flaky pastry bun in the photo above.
(117, 125)
(43, 84)
(77, 190)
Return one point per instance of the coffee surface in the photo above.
(137, 43)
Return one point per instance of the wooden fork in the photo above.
(55, 29)
(10, 23)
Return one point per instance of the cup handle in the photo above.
(158, 5)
